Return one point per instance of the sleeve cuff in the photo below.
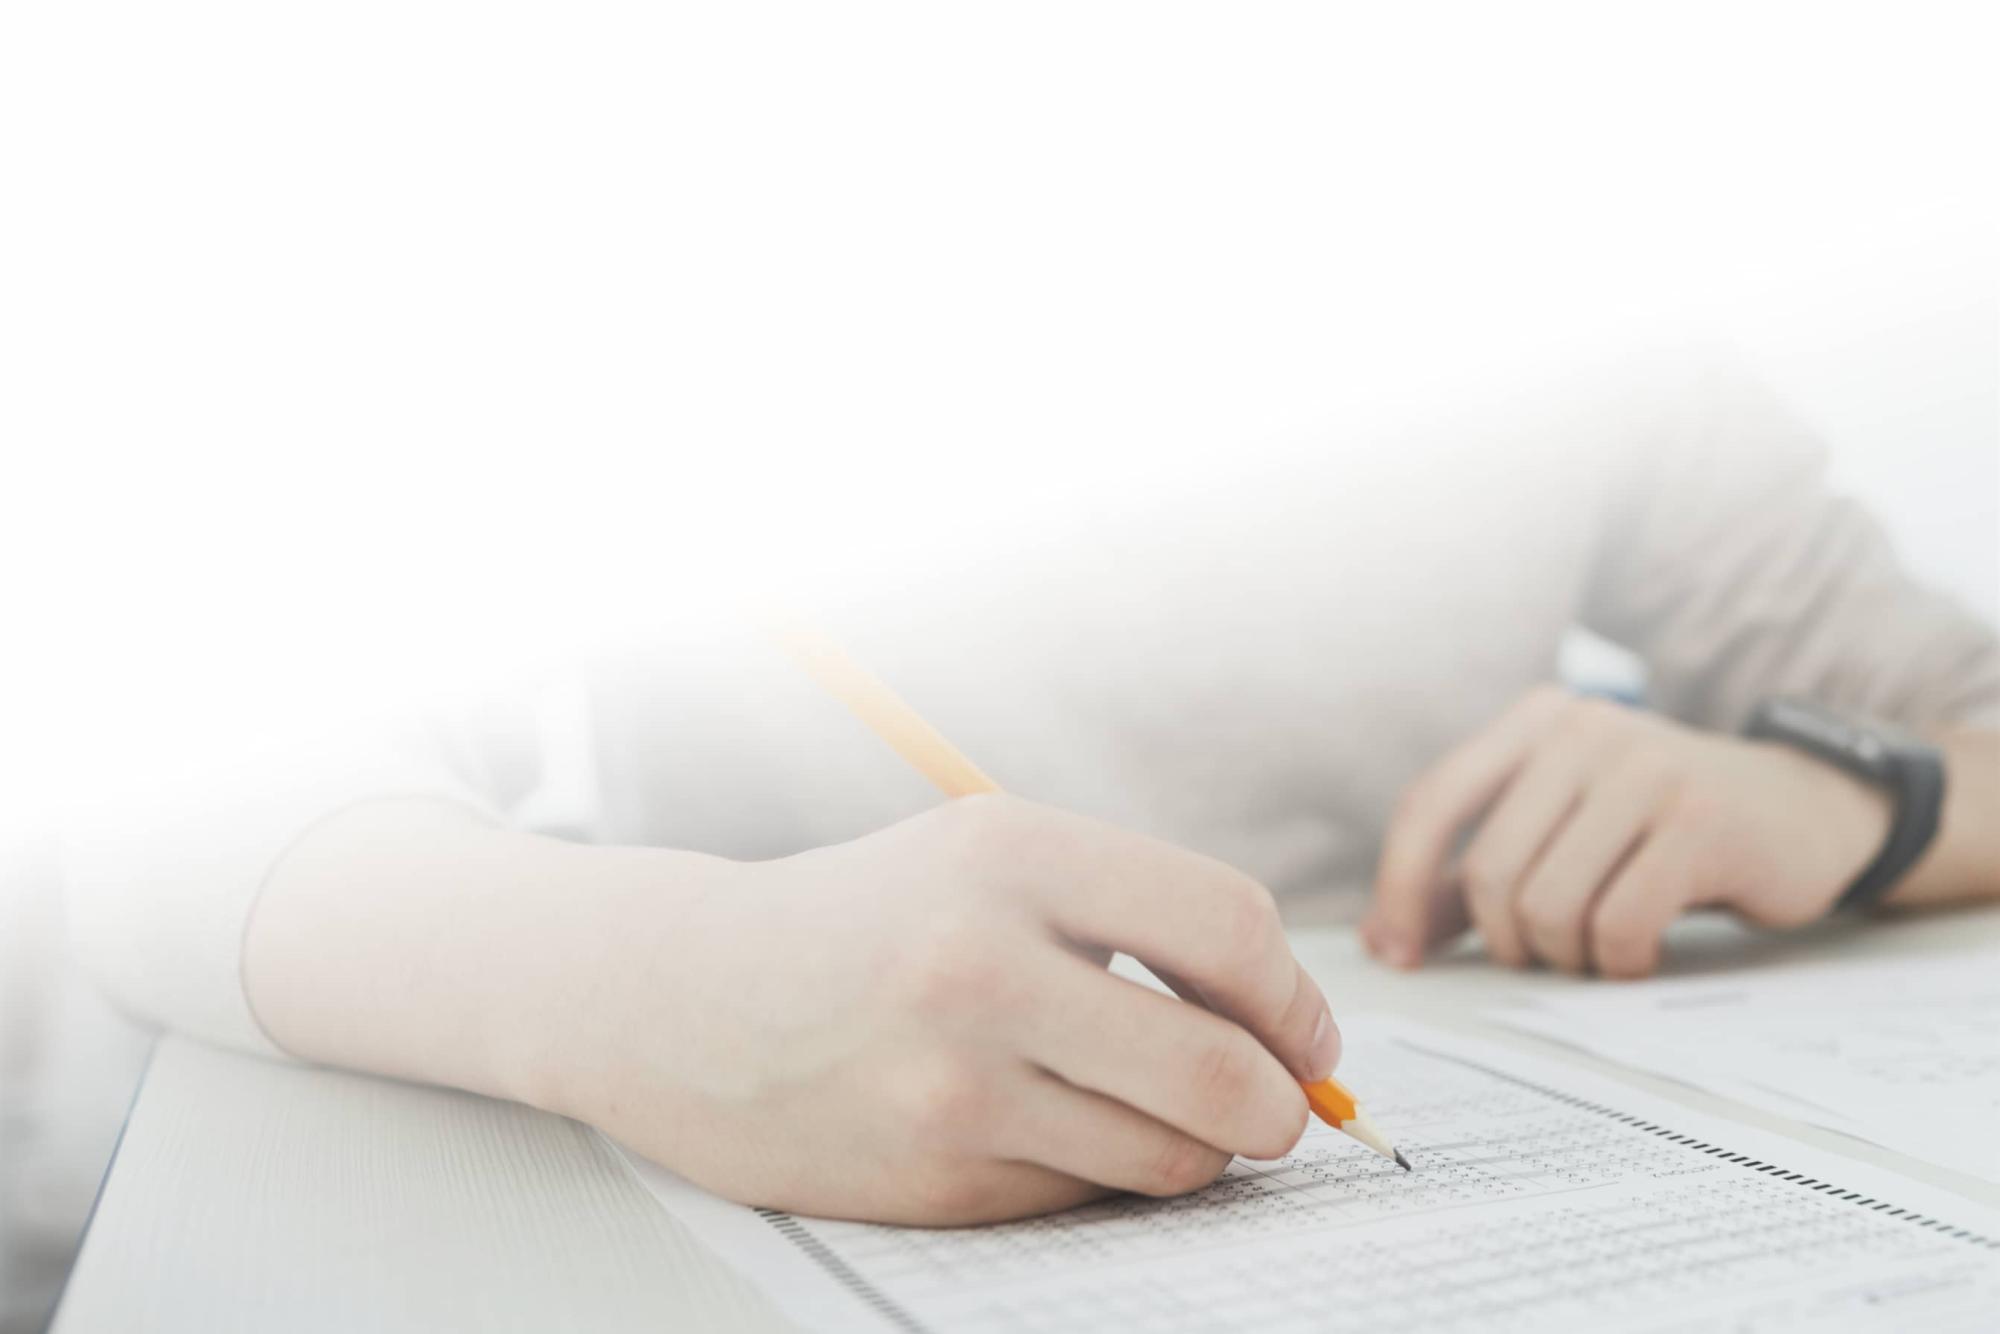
(161, 882)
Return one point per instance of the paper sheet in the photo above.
(1906, 1054)
(1542, 1199)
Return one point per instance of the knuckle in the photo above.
(1246, 920)
(1545, 919)
(1182, 1164)
(1481, 877)
(956, 965)
(986, 823)
(1222, 1077)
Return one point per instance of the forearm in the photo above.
(1963, 863)
(413, 939)
(898, 1027)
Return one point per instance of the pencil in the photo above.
(948, 769)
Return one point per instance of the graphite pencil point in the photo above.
(1403, 1162)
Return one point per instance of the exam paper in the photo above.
(1543, 1199)
(1906, 1054)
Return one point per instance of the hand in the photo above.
(918, 1026)
(1592, 827)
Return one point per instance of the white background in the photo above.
(343, 347)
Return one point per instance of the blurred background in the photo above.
(355, 354)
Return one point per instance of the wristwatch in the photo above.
(1911, 772)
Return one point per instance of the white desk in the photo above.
(251, 1195)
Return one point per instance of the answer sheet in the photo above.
(1903, 1053)
(1543, 1199)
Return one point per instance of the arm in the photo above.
(1590, 827)
(1726, 561)
(914, 1026)
(1587, 829)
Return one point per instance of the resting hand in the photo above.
(1587, 828)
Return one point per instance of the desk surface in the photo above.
(246, 1194)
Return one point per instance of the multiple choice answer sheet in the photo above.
(1906, 1054)
(1543, 1199)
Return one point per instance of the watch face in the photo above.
(1866, 751)
(1823, 728)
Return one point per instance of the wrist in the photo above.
(1909, 771)
(607, 932)
(414, 939)
(1850, 820)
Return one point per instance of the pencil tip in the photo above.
(1403, 1162)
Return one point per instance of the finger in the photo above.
(1175, 1062)
(1553, 905)
(1522, 823)
(1181, 987)
(959, 1193)
(1450, 917)
(1445, 918)
(1090, 1137)
(1326, 1046)
(1628, 921)
(1423, 830)
(1191, 917)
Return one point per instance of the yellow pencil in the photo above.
(952, 773)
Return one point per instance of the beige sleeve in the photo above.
(1734, 572)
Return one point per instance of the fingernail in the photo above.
(1325, 1053)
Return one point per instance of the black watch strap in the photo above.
(1909, 770)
